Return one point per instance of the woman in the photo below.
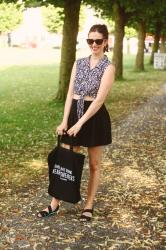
(85, 116)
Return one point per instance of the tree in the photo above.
(139, 62)
(70, 31)
(157, 33)
(10, 16)
(163, 44)
(142, 17)
(68, 51)
(157, 26)
(138, 20)
(119, 16)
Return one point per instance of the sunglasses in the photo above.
(97, 41)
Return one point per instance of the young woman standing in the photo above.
(85, 115)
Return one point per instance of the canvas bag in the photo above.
(65, 171)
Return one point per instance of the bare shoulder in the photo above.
(110, 68)
(109, 71)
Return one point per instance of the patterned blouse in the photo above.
(87, 81)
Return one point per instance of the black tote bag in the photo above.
(65, 171)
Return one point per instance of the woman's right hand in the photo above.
(62, 128)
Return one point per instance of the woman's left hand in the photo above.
(74, 130)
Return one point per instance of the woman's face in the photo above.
(98, 46)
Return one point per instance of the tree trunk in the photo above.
(119, 18)
(163, 44)
(156, 42)
(68, 51)
(139, 63)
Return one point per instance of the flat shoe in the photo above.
(84, 217)
(50, 212)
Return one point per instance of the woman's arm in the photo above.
(105, 86)
(69, 94)
(63, 125)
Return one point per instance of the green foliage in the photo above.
(33, 3)
(10, 16)
(158, 19)
(130, 32)
(107, 20)
(111, 25)
(36, 3)
(56, 3)
(148, 11)
(53, 18)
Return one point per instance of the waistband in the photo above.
(86, 98)
(85, 101)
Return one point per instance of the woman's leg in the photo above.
(95, 155)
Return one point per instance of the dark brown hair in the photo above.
(101, 28)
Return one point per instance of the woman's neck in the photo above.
(97, 57)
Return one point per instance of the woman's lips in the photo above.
(94, 48)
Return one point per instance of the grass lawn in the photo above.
(29, 113)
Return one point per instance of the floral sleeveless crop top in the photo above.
(87, 81)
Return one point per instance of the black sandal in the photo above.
(84, 217)
(50, 212)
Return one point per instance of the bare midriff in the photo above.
(86, 98)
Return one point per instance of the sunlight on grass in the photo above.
(35, 164)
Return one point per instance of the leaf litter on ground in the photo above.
(130, 204)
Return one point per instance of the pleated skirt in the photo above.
(95, 132)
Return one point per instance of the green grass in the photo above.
(29, 115)
(28, 118)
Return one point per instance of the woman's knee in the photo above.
(95, 158)
(94, 165)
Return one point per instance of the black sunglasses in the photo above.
(97, 41)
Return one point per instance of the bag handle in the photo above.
(71, 140)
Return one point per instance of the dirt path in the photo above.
(129, 210)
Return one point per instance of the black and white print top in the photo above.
(87, 81)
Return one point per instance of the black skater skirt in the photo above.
(95, 132)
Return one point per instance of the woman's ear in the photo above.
(106, 45)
